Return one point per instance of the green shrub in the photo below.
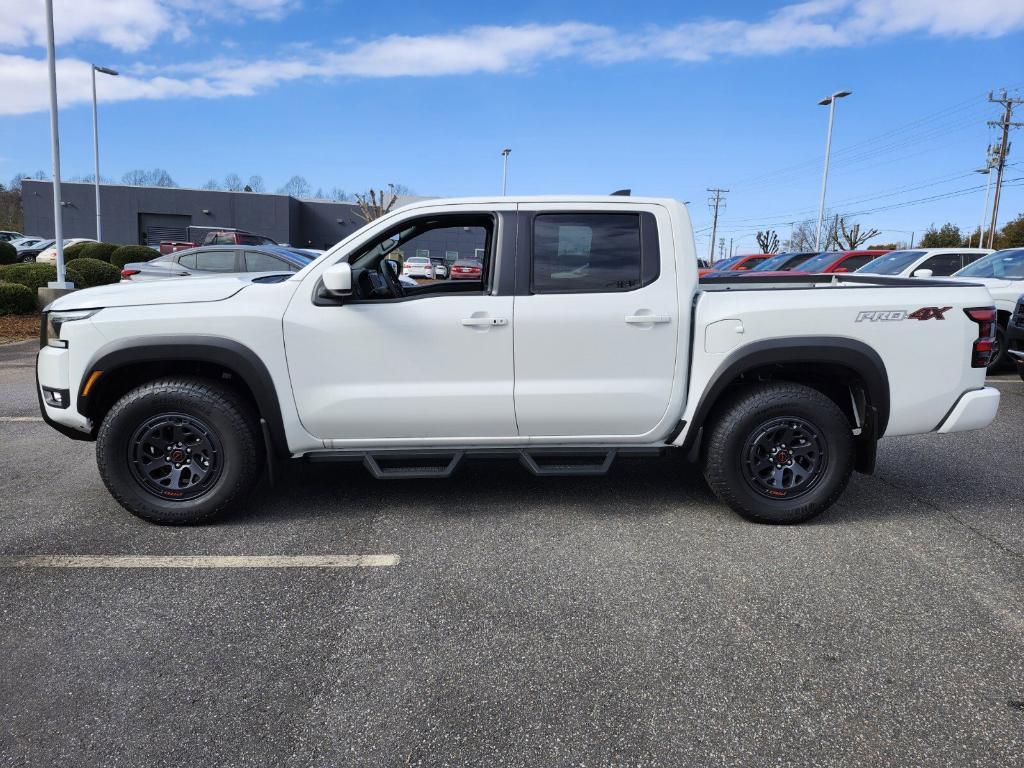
(8, 253)
(75, 251)
(127, 254)
(88, 273)
(16, 299)
(99, 251)
(34, 276)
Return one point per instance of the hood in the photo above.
(185, 290)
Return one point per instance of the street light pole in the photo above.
(830, 102)
(96, 144)
(504, 172)
(58, 225)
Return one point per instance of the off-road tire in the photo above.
(733, 431)
(999, 356)
(232, 425)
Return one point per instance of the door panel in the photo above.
(595, 364)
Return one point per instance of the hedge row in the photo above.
(16, 299)
(8, 253)
(126, 254)
(84, 273)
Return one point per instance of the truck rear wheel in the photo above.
(178, 451)
(779, 453)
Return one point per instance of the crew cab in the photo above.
(779, 386)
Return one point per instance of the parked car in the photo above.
(213, 236)
(49, 255)
(30, 241)
(924, 262)
(29, 254)
(418, 266)
(784, 262)
(741, 263)
(7, 235)
(217, 259)
(831, 262)
(440, 267)
(467, 269)
(191, 387)
(1002, 272)
(1015, 336)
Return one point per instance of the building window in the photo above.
(453, 256)
(423, 252)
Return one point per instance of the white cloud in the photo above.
(133, 24)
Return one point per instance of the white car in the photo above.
(1002, 273)
(49, 256)
(419, 266)
(924, 262)
(24, 243)
(191, 388)
(7, 235)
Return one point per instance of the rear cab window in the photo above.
(593, 252)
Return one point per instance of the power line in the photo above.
(1006, 124)
(717, 201)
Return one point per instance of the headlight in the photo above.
(54, 321)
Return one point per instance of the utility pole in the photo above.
(1006, 124)
(58, 224)
(715, 202)
(504, 171)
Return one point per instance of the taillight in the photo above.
(126, 274)
(981, 353)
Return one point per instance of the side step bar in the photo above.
(403, 464)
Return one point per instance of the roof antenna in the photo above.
(622, 193)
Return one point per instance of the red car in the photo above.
(468, 269)
(736, 263)
(831, 262)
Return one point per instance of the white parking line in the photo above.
(21, 418)
(198, 561)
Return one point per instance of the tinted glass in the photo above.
(1004, 265)
(188, 260)
(724, 263)
(854, 263)
(751, 263)
(597, 252)
(942, 264)
(264, 262)
(818, 263)
(215, 261)
(891, 263)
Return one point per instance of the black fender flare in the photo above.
(227, 353)
(834, 350)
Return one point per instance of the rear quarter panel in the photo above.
(927, 361)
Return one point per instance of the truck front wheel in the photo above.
(179, 450)
(779, 453)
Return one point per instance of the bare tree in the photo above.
(768, 241)
(339, 194)
(233, 182)
(852, 238)
(211, 184)
(158, 177)
(135, 178)
(256, 184)
(296, 186)
(371, 204)
(802, 239)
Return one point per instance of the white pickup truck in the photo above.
(587, 337)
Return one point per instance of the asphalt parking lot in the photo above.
(629, 620)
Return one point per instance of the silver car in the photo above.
(218, 259)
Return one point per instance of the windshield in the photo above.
(725, 263)
(782, 261)
(818, 263)
(1004, 265)
(892, 263)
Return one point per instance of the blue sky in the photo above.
(665, 98)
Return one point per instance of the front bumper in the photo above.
(974, 410)
(52, 374)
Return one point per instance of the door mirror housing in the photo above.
(922, 273)
(338, 279)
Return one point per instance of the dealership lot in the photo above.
(515, 620)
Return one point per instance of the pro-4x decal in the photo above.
(889, 315)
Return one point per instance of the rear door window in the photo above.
(216, 261)
(587, 252)
(255, 261)
(943, 264)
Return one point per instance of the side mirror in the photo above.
(338, 279)
(922, 273)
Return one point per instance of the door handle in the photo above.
(485, 321)
(647, 319)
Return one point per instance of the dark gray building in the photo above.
(146, 215)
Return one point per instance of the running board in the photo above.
(405, 464)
